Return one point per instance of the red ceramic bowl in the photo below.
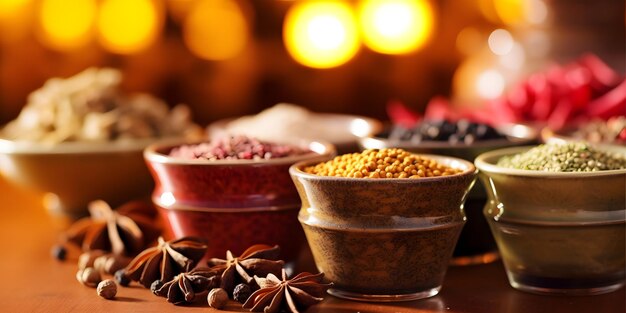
(233, 204)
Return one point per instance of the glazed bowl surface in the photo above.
(72, 174)
(233, 204)
(558, 233)
(383, 239)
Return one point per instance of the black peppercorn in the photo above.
(241, 293)
(59, 252)
(121, 278)
(156, 285)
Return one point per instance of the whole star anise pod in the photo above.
(257, 260)
(125, 231)
(166, 260)
(294, 294)
(186, 287)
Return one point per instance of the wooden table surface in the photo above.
(32, 281)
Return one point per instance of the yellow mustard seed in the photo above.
(383, 163)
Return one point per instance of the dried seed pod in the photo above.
(217, 298)
(107, 289)
(90, 277)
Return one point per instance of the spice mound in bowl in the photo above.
(237, 148)
(81, 138)
(546, 203)
(565, 157)
(382, 224)
(234, 192)
(386, 163)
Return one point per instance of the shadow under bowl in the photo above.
(383, 239)
(558, 233)
(73, 174)
(233, 204)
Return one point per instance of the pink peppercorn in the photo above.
(236, 148)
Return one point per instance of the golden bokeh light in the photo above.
(216, 30)
(66, 25)
(127, 27)
(10, 7)
(396, 26)
(321, 34)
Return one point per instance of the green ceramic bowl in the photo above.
(558, 233)
(384, 239)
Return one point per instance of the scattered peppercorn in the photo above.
(236, 148)
(87, 259)
(241, 293)
(383, 163)
(217, 298)
(59, 252)
(89, 277)
(107, 289)
(156, 285)
(564, 157)
(121, 278)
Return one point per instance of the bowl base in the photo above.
(384, 298)
(535, 285)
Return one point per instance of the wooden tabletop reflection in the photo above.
(32, 281)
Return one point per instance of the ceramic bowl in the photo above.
(342, 130)
(73, 174)
(558, 233)
(476, 244)
(383, 239)
(233, 204)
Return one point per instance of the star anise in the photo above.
(166, 260)
(186, 287)
(125, 231)
(257, 260)
(294, 295)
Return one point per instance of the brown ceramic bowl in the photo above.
(476, 244)
(558, 233)
(233, 204)
(72, 174)
(384, 239)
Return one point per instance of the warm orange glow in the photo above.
(127, 26)
(216, 30)
(396, 26)
(321, 34)
(10, 7)
(66, 25)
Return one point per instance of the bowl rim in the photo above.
(318, 149)
(295, 170)
(484, 164)
(375, 125)
(514, 134)
(15, 147)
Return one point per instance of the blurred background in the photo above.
(227, 58)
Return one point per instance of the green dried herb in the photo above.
(565, 157)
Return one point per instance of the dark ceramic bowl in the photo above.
(558, 233)
(233, 204)
(384, 239)
(476, 244)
